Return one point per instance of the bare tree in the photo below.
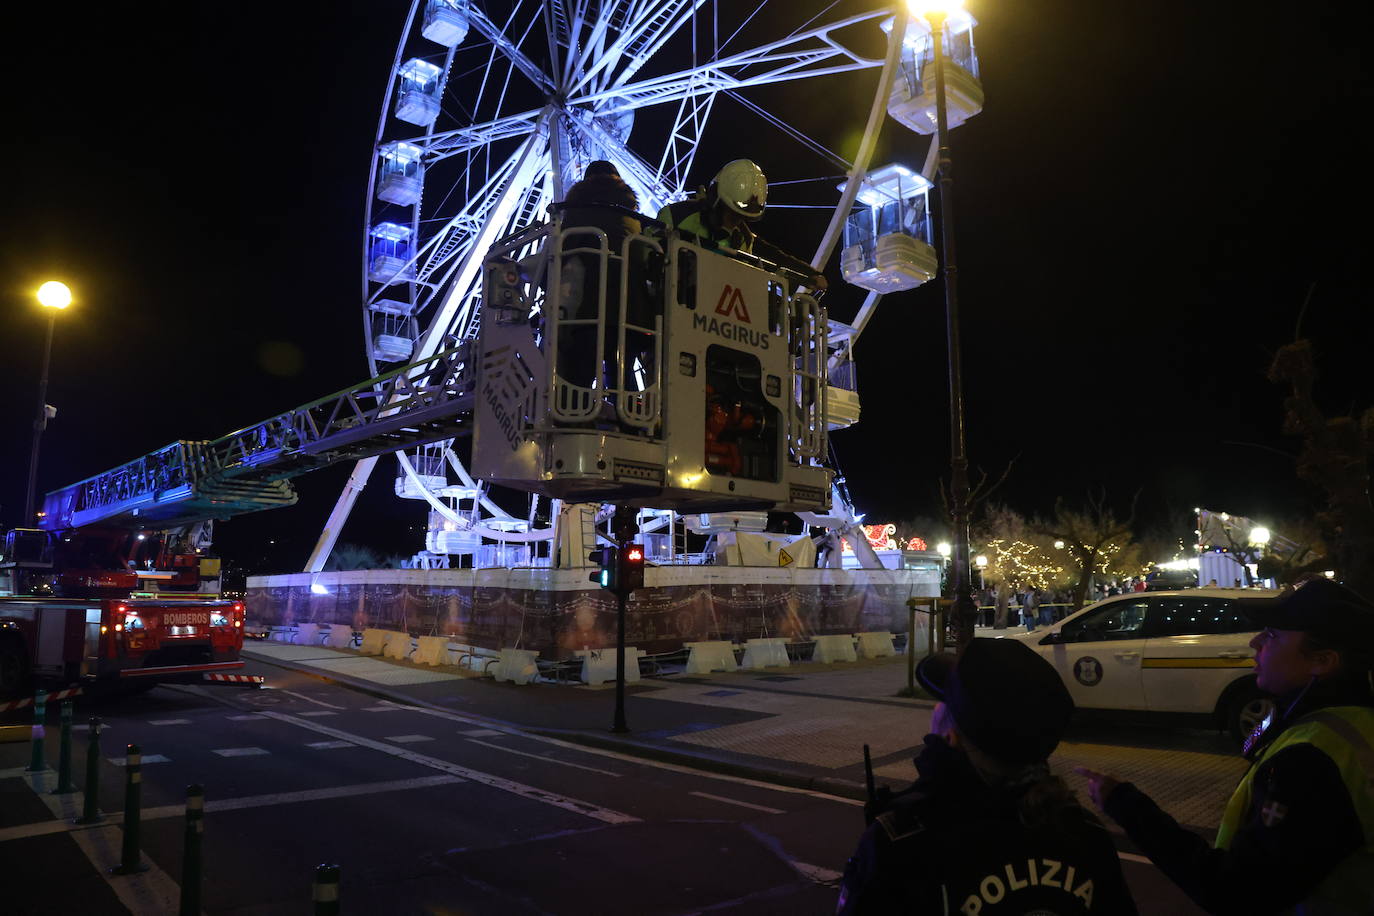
(1335, 457)
(1093, 536)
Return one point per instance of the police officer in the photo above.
(987, 829)
(1298, 833)
(721, 218)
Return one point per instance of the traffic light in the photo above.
(632, 568)
(607, 574)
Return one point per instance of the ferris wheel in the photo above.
(492, 109)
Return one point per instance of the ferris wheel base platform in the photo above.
(556, 612)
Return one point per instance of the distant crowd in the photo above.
(1031, 607)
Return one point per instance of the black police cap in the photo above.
(1318, 606)
(1004, 697)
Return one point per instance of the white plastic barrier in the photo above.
(374, 641)
(876, 645)
(340, 636)
(598, 665)
(432, 650)
(765, 653)
(281, 634)
(397, 646)
(307, 634)
(831, 649)
(517, 666)
(706, 657)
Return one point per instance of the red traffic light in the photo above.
(634, 553)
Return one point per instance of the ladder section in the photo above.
(246, 471)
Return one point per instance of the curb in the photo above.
(794, 779)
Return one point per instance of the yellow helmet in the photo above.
(741, 187)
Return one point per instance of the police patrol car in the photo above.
(1184, 652)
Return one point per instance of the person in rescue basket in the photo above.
(1298, 833)
(987, 829)
(601, 200)
(720, 218)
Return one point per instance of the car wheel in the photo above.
(1250, 708)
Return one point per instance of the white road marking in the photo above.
(408, 739)
(482, 733)
(248, 718)
(330, 745)
(86, 726)
(642, 761)
(240, 751)
(1132, 857)
(562, 763)
(151, 891)
(114, 818)
(317, 712)
(147, 758)
(596, 812)
(301, 696)
(383, 708)
(170, 722)
(816, 873)
(742, 804)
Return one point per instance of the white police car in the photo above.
(1183, 652)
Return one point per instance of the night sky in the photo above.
(1144, 204)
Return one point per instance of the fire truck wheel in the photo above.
(14, 673)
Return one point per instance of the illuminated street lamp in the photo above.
(1058, 545)
(965, 611)
(1259, 536)
(943, 549)
(982, 563)
(54, 297)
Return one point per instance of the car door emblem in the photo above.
(1088, 671)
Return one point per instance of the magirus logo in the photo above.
(732, 304)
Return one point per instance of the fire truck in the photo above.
(106, 606)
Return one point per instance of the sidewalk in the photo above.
(802, 726)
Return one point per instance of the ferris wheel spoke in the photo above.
(492, 33)
(646, 26)
(680, 152)
(522, 180)
(815, 52)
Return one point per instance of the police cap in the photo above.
(1004, 697)
(1318, 606)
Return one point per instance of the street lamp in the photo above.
(965, 611)
(982, 563)
(54, 297)
(1259, 536)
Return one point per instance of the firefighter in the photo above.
(1298, 833)
(987, 828)
(720, 218)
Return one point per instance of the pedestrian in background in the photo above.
(1298, 833)
(987, 829)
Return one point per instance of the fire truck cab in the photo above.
(653, 374)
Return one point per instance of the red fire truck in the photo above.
(106, 607)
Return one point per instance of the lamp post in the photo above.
(54, 297)
(965, 611)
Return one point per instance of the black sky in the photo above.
(1142, 208)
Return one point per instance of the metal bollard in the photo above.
(37, 763)
(90, 812)
(64, 753)
(129, 862)
(190, 861)
(326, 890)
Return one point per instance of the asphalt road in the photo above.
(427, 812)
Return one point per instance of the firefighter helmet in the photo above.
(741, 187)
